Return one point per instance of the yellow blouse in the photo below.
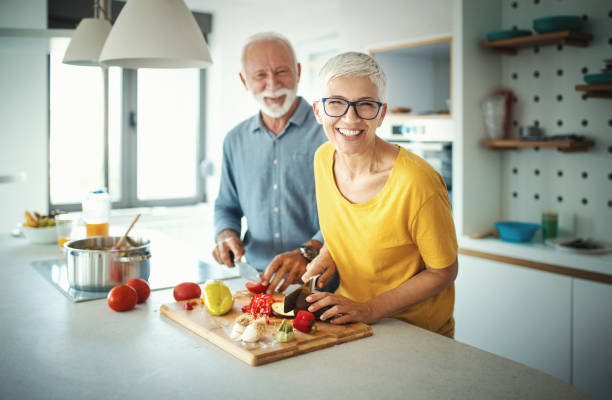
(379, 244)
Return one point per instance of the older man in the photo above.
(267, 173)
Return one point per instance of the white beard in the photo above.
(275, 110)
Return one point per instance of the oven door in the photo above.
(438, 154)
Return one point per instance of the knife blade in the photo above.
(296, 299)
(247, 272)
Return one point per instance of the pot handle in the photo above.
(139, 257)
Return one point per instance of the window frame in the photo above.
(129, 143)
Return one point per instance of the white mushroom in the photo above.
(239, 325)
(254, 331)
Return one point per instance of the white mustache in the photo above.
(274, 93)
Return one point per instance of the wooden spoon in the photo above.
(118, 245)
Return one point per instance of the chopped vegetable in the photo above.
(240, 324)
(256, 287)
(279, 311)
(261, 304)
(305, 322)
(254, 331)
(284, 333)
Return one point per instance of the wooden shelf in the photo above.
(600, 90)
(565, 146)
(511, 46)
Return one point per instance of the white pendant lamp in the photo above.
(156, 34)
(87, 42)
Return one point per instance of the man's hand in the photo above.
(290, 265)
(227, 241)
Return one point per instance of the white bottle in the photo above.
(96, 212)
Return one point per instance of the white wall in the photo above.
(312, 26)
(23, 112)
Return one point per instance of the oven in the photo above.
(430, 139)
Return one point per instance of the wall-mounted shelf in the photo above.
(601, 90)
(511, 46)
(565, 146)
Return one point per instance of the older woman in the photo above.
(384, 212)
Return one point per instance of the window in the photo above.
(155, 128)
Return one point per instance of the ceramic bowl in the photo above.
(557, 24)
(44, 235)
(507, 34)
(598, 78)
(512, 231)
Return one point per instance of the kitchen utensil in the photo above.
(557, 23)
(293, 299)
(507, 34)
(247, 272)
(580, 245)
(496, 113)
(598, 78)
(39, 235)
(93, 266)
(530, 133)
(512, 231)
(216, 329)
(484, 234)
(122, 240)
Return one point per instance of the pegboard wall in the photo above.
(577, 185)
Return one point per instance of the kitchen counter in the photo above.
(55, 349)
(589, 266)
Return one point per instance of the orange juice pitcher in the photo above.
(96, 212)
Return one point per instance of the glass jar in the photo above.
(96, 212)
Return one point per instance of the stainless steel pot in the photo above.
(92, 266)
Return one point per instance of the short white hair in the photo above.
(267, 37)
(354, 64)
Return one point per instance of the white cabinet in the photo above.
(592, 347)
(518, 313)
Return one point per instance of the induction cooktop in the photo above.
(164, 274)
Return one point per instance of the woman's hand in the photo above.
(323, 265)
(342, 310)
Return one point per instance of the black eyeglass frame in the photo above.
(349, 104)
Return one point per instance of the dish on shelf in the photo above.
(598, 78)
(512, 231)
(557, 23)
(580, 246)
(507, 34)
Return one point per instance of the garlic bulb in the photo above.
(239, 325)
(254, 331)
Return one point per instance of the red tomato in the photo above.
(141, 287)
(122, 298)
(255, 287)
(187, 290)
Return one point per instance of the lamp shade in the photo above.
(87, 42)
(156, 34)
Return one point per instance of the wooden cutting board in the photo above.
(216, 329)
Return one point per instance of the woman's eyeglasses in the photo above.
(365, 109)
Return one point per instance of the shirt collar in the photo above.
(298, 117)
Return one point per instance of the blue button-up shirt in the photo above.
(269, 179)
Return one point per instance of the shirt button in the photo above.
(275, 161)
(277, 235)
(275, 209)
(275, 186)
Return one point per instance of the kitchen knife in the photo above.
(247, 272)
(297, 298)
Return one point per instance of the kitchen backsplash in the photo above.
(577, 185)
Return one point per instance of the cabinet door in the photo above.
(515, 312)
(592, 350)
